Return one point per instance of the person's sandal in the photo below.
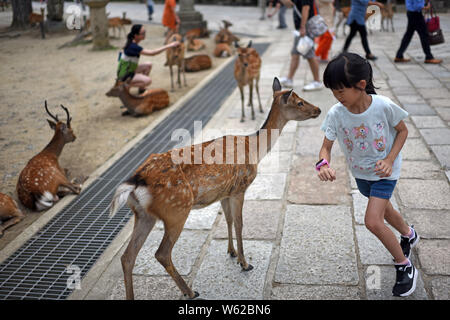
(371, 57)
(433, 61)
(401, 60)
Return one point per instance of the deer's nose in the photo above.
(246, 64)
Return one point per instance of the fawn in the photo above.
(10, 211)
(40, 180)
(165, 188)
(246, 71)
(151, 100)
(197, 63)
(175, 56)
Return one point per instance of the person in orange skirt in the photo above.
(170, 19)
(326, 10)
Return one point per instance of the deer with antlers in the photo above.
(246, 72)
(40, 181)
(175, 57)
(9, 210)
(149, 101)
(168, 185)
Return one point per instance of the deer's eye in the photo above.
(300, 104)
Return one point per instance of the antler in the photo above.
(54, 117)
(69, 118)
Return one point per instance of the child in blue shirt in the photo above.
(371, 133)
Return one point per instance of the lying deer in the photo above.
(246, 71)
(198, 33)
(224, 38)
(10, 211)
(175, 56)
(40, 181)
(165, 188)
(151, 100)
(222, 50)
(197, 63)
(194, 44)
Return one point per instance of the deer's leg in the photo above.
(17, 217)
(179, 76)
(236, 204)
(251, 99)
(172, 230)
(171, 77)
(229, 217)
(257, 93)
(241, 89)
(143, 224)
(184, 74)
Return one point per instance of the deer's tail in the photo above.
(120, 197)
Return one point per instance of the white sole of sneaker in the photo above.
(413, 288)
(413, 245)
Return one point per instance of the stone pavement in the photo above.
(306, 239)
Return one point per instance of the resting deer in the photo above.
(197, 63)
(9, 211)
(151, 100)
(175, 56)
(168, 185)
(246, 71)
(224, 35)
(222, 50)
(194, 44)
(40, 181)
(198, 33)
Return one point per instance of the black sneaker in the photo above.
(405, 282)
(407, 244)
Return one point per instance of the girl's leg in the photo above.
(394, 218)
(141, 81)
(144, 68)
(374, 221)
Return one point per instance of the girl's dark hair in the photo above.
(346, 70)
(135, 29)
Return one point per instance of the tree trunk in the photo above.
(21, 12)
(55, 9)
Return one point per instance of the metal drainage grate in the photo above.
(80, 233)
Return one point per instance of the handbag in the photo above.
(436, 37)
(432, 22)
(315, 25)
(304, 45)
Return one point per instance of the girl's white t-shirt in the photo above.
(366, 137)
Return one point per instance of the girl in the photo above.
(371, 133)
(128, 62)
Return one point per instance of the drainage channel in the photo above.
(72, 241)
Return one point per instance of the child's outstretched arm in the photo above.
(326, 173)
(384, 167)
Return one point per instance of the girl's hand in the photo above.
(384, 168)
(327, 174)
(174, 44)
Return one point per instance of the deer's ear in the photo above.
(276, 86)
(236, 44)
(286, 96)
(249, 44)
(52, 124)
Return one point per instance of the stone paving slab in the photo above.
(386, 283)
(221, 278)
(260, 221)
(441, 288)
(306, 188)
(275, 162)
(309, 141)
(184, 254)
(299, 292)
(412, 131)
(434, 93)
(444, 103)
(436, 136)
(421, 170)
(317, 246)
(146, 288)
(430, 223)
(418, 109)
(415, 149)
(442, 153)
(428, 122)
(267, 187)
(434, 257)
(433, 194)
(444, 113)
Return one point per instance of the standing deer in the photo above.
(9, 211)
(151, 100)
(175, 56)
(167, 189)
(246, 70)
(40, 180)
(387, 13)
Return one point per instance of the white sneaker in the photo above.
(315, 85)
(285, 82)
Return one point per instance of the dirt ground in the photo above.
(35, 70)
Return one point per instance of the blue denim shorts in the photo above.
(381, 189)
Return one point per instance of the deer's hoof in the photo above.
(249, 267)
(261, 110)
(196, 294)
(232, 254)
(242, 120)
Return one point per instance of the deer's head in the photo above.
(243, 53)
(116, 89)
(178, 51)
(291, 106)
(60, 127)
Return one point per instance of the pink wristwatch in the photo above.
(320, 163)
